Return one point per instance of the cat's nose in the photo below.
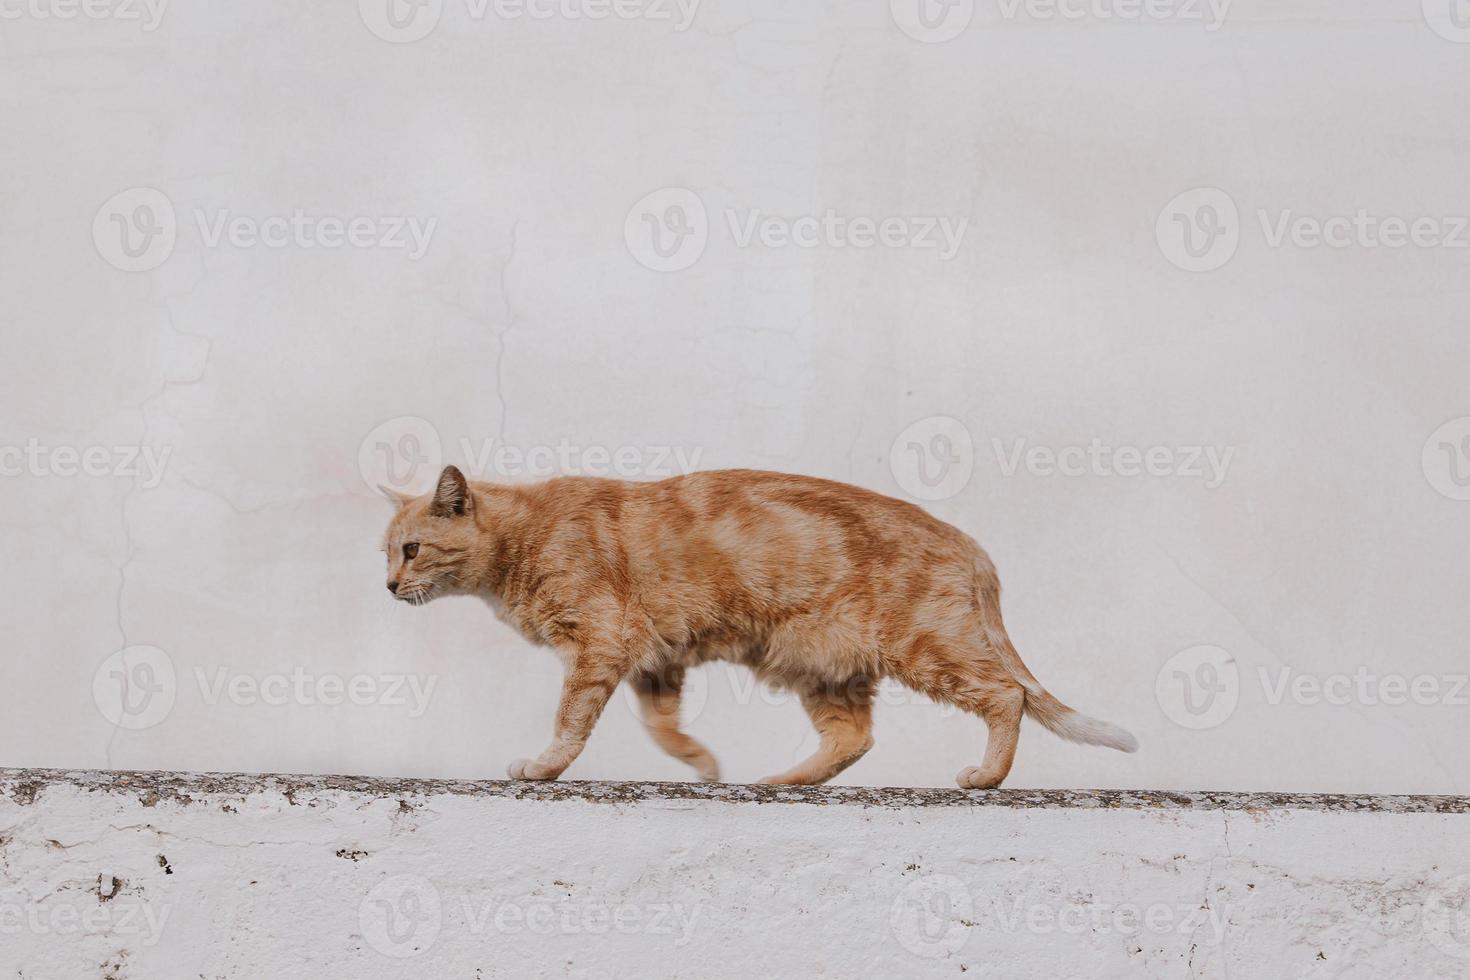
(393, 587)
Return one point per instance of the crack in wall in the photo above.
(128, 543)
(511, 318)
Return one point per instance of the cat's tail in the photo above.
(1041, 705)
(1073, 725)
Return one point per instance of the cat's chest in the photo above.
(511, 616)
(524, 618)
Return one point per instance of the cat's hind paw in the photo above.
(528, 769)
(978, 777)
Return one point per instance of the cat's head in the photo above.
(431, 541)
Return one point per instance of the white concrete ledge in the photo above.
(160, 875)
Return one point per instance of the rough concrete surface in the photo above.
(162, 875)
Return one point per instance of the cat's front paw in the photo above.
(529, 769)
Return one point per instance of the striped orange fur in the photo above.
(819, 587)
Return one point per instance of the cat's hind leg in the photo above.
(969, 676)
(844, 720)
(658, 700)
(1002, 714)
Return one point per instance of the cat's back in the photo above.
(762, 495)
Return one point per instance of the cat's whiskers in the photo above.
(415, 595)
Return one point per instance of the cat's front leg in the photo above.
(593, 673)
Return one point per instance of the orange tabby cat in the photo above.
(819, 587)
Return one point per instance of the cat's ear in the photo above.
(396, 498)
(452, 496)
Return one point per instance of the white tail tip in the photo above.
(1077, 727)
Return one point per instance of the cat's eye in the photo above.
(410, 552)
